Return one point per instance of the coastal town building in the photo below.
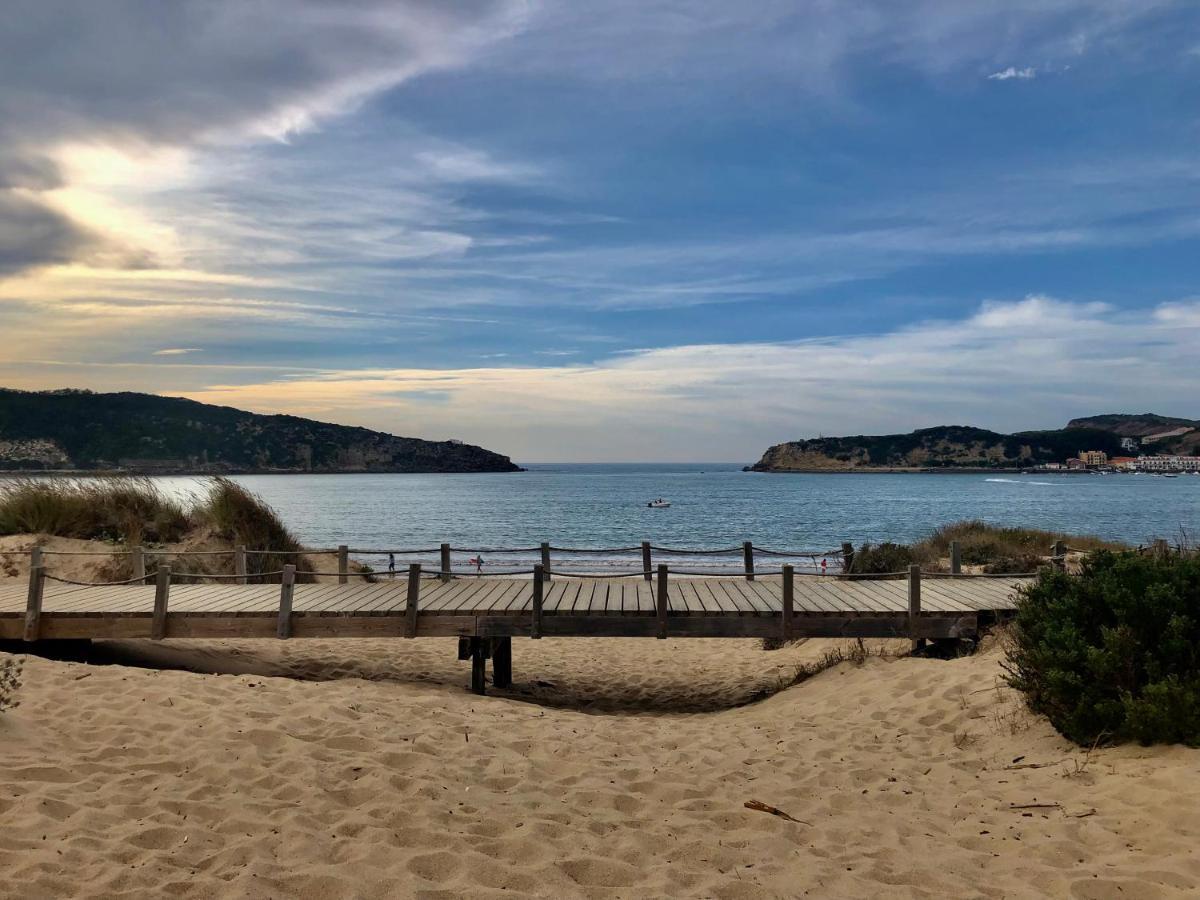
(1123, 462)
(1168, 463)
(1130, 444)
(1093, 458)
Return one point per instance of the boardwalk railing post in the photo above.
(647, 562)
(343, 564)
(847, 557)
(662, 604)
(35, 557)
(748, 555)
(789, 601)
(535, 629)
(955, 558)
(413, 598)
(33, 603)
(545, 561)
(162, 588)
(445, 562)
(286, 586)
(138, 558)
(239, 564)
(914, 606)
(1058, 556)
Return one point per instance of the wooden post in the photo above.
(847, 557)
(748, 555)
(502, 662)
(914, 605)
(162, 588)
(478, 666)
(1058, 556)
(343, 564)
(445, 563)
(535, 630)
(33, 603)
(286, 585)
(955, 558)
(139, 563)
(647, 561)
(545, 561)
(239, 564)
(35, 557)
(789, 600)
(662, 601)
(414, 595)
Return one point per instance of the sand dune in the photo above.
(614, 768)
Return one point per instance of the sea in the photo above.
(714, 506)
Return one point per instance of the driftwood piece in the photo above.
(759, 806)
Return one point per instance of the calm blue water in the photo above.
(712, 506)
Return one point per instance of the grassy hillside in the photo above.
(145, 432)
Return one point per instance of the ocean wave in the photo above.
(1020, 481)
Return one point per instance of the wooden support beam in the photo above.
(287, 585)
(502, 662)
(239, 563)
(138, 558)
(162, 588)
(914, 606)
(538, 587)
(789, 601)
(662, 605)
(478, 667)
(411, 601)
(748, 556)
(343, 564)
(33, 603)
(445, 562)
(847, 557)
(647, 561)
(955, 558)
(545, 561)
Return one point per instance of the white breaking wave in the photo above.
(1019, 481)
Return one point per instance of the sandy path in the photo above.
(616, 768)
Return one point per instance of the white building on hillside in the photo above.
(1169, 463)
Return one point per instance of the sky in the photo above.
(612, 231)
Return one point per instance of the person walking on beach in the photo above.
(824, 563)
(392, 565)
(479, 563)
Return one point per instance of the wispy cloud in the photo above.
(177, 351)
(1026, 74)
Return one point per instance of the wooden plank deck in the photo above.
(493, 607)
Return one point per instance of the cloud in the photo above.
(1030, 363)
(1026, 74)
(177, 351)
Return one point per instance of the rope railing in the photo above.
(141, 579)
(593, 549)
(811, 554)
(721, 551)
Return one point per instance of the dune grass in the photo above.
(125, 510)
(243, 518)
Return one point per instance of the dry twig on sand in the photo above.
(759, 806)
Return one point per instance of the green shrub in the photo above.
(882, 558)
(1113, 653)
(1020, 565)
(242, 517)
(10, 683)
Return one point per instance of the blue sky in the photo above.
(607, 231)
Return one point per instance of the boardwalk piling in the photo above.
(545, 561)
(789, 600)
(955, 558)
(535, 629)
(914, 606)
(647, 562)
(343, 564)
(162, 588)
(502, 662)
(748, 555)
(239, 563)
(445, 562)
(286, 585)
(1058, 556)
(33, 603)
(662, 601)
(478, 666)
(411, 601)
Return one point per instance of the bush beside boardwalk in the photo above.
(1113, 653)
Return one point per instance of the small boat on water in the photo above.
(1170, 474)
(660, 503)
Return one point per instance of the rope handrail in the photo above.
(925, 574)
(85, 552)
(811, 554)
(287, 552)
(595, 549)
(136, 580)
(225, 576)
(494, 549)
(149, 552)
(720, 551)
(373, 552)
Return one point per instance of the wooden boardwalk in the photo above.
(496, 607)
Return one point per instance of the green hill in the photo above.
(941, 447)
(72, 429)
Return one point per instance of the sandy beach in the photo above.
(613, 768)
